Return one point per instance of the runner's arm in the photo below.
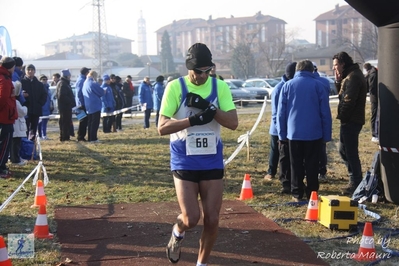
(169, 126)
(227, 119)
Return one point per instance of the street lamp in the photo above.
(149, 73)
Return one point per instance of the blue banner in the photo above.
(5, 42)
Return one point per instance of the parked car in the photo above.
(333, 89)
(239, 94)
(267, 84)
(259, 93)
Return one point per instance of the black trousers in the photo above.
(82, 129)
(32, 122)
(323, 159)
(129, 102)
(147, 115)
(349, 151)
(65, 124)
(273, 155)
(118, 119)
(304, 156)
(107, 123)
(93, 123)
(15, 148)
(6, 131)
(285, 164)
(373, 119)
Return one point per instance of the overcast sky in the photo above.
(33, 23)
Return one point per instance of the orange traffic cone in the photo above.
(313, 208)
(4, 260)
(41, 227)
(40, 197)
(366, 250)
(246, 190)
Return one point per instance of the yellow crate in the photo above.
(338, 212)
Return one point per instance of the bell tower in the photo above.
(142, 36)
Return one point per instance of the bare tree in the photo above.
(362, 41)
(272, 56)
(253, 57)
(243, 61)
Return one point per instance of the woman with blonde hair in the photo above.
(92, 93)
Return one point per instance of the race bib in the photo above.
(201, 143)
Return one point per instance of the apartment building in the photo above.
(341, 25)
(85, 44)
(221, 34)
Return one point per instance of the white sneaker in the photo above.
(21, 163)
(375, 140)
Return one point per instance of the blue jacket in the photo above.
(78, 90)
(108, 101)
(46, 107)
(145, 95)
(17, 76)
(92, 93)
(158, 94)
(275, 97)
(303, 111)
(324, 81)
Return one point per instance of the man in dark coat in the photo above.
(128, 92)
(372, 88)
(35, 97)
(66, 101)
(351, 85)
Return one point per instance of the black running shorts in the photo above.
(198, 175)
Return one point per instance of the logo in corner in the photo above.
(21, 246)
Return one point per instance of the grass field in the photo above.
(133, 166)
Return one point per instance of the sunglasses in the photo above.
(200, 71)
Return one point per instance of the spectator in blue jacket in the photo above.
(146, 101)
(279, 150)
(304, 120)
(46, 111)
(92, 93)
(18, 75)
(80, 103)
(108, 104)
(158, 94)
(323, 152)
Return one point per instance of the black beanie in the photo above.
(7, 62)
(160, 78)
(30, 66)
(18, 61)
(290, 70)
(198, 55)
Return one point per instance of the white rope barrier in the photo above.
(5, 203)
(123, 110)
(244, 139)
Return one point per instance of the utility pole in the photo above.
(100, 36)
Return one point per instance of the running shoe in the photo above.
(173, 249)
